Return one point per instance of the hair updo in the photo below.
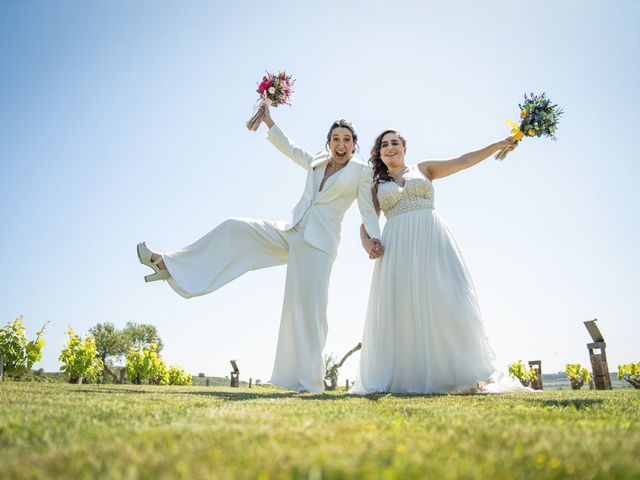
(343, 123)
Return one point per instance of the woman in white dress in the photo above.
(307, 244)
(423, 331)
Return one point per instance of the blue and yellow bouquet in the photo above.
(538, 117)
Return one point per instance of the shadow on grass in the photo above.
(244, 395)
(577, 403)
(232, 396)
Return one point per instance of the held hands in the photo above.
(373, 247)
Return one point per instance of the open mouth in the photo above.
(341, 154)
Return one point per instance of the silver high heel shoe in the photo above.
(144, 255)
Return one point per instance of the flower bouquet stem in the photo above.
(503, 153)
(255, 121)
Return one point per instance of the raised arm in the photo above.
(278, 138)
(434, 169)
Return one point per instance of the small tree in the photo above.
(141, 335)
(18, 355)
(578, 375)
(519, 371)
(630, 373)
(331, 368)
(79, 358)
(111, 345)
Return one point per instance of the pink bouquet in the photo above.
(274, 90)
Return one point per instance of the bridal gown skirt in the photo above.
(237, 246)
(423, 331)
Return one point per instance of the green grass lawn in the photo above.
(108, 431)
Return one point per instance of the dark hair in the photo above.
(343, 123)
(380, 170)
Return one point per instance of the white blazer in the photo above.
(326, 211)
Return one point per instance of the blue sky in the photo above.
(124, 121)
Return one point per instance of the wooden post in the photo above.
(207, 382)
(601, 377)
(598, 357)
(1, 368)
(250, 382)
(123, 372)
(347, 384)
(235, 374)
(536, 366)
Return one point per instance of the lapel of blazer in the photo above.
(341, 182)
(320, 159)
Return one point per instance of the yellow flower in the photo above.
(523, 113)
(531, 132)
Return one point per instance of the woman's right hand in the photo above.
(266, 118)
(508, 142)
(373, 247)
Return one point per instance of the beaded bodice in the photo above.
(416, 194)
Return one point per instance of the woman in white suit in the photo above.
(308, 244)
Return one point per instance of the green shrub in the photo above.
(145, 364)
(578, 375)
(19, 355)
(630, 373)
(178, 376)
(519, 371)
(79, 358)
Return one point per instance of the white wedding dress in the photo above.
(423, 331)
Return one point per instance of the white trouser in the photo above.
(237, 246)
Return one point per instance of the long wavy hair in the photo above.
(380, 170)
(343, 123)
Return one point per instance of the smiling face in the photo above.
(392, 150)
(341, 145)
